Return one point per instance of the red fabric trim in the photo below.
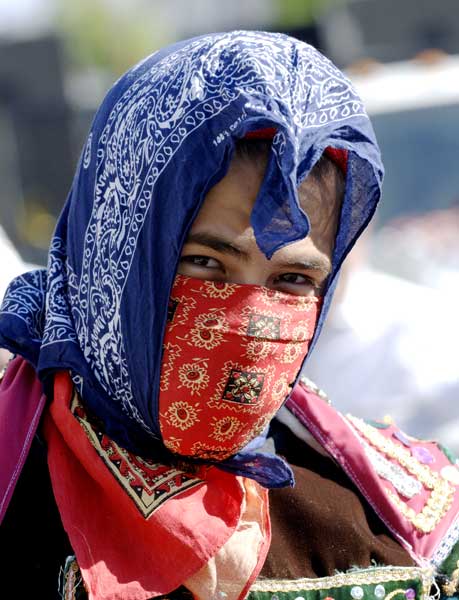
(338, 156)
(121, 553)
(261, 134)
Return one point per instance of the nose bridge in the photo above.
(252, 273)
(252, 268)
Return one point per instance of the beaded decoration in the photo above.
(314, 388)
(452, 586)
(441, 491)
(405, 484)
(4, 368)
(382, 583)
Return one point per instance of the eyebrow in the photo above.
(224, 246)
(316, 264)
(217, 243)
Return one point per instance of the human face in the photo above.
(221, 245)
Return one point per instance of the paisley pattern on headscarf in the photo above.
(163, 136)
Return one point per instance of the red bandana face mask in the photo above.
(231, 355)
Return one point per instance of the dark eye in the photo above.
(201, 261)
(201, 267)
(296, 283)
(295, 278)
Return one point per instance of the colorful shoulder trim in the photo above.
(413, 485)
(376, 583)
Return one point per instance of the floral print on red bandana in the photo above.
(231, 355)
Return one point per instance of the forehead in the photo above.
(228, 205)
(321, 195)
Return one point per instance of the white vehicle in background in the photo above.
(431, 80)
(414, 106)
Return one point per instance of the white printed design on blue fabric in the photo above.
(58, 322)
(24, 298)
(144, 130)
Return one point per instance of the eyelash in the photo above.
(307, 280)
(195, 258)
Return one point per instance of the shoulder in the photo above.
(412, 484)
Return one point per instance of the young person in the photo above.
(223, 182)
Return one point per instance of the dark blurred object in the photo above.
(307, 33)
(32, 99)
(389, 30)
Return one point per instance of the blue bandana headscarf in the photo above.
(163, 136)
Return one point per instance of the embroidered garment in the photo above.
(321, 525)
(162, 138)
(413, 485)
(121, 512)
(376, 583)
(231, 356)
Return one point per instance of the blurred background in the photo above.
(390, 346)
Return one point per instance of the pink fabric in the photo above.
(337, 435)
(21, 405)
(230, 573)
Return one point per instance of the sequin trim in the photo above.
(405, 485)
(310, 385)
(452, 587)
(4, 369)
(374, 576)
(446, 545)
(441, 492)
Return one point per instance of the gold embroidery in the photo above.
(147, 483)
(372, 576)
(171, 353)
(450, 588)
(72, 579)
(441, 492)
